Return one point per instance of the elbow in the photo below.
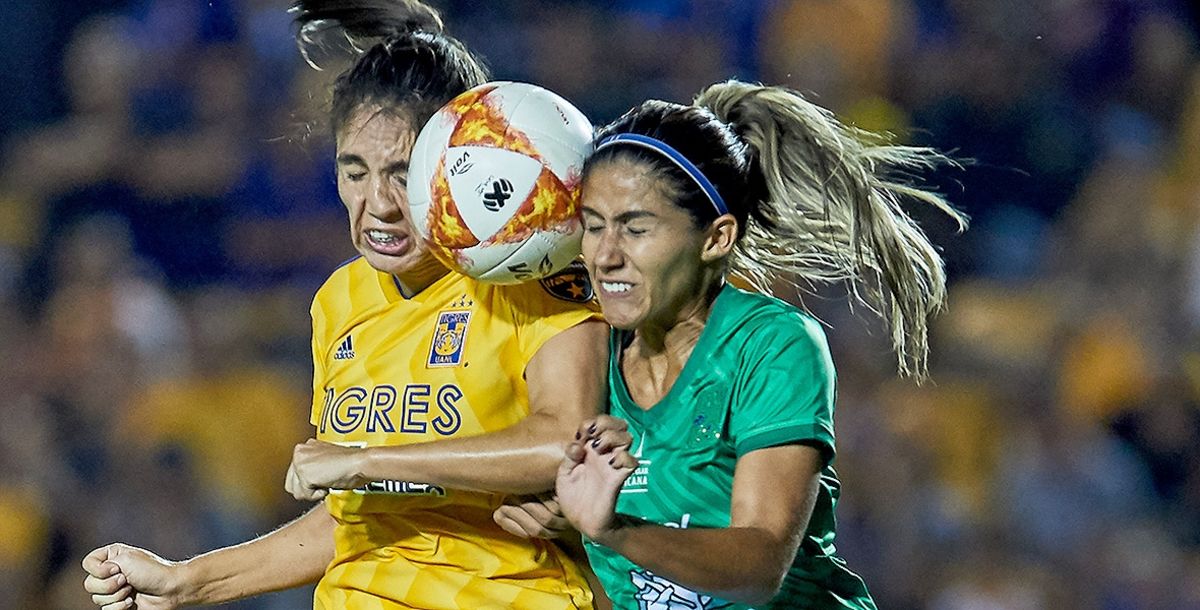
(762, 585)
(759, 593)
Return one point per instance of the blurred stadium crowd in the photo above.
(165, 218)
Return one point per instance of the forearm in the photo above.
(739, 564)
(567, 383)
(520, 459)
(293, 555)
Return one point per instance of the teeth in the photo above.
(381, 237)
(615, 286)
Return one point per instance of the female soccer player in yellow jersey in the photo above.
(406, 352)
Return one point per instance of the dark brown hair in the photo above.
(816, 201)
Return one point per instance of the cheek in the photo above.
(349, 196)
(676, 269)
(587, 246)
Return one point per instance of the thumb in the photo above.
(572, 458)
(97, 562)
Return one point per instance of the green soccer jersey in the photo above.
(760, 376)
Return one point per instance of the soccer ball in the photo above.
(494, 182)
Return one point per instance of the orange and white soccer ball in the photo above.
(494, 182)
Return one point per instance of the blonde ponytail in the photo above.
(832, 211)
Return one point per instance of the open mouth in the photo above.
(615, 288)
(385, 242)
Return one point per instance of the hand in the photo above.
(318, 466)
(121, 576)
(588, 484)
(605, 433)
(532, 517)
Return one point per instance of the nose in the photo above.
(608, 254)
(383, 202)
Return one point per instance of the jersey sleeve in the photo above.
(544, 308)
(786, 387)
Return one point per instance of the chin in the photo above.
(619, 321)
(383, 262)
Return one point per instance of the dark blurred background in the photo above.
(167, 209)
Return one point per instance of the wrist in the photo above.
(612, 535)
(365, 466)
(375, 464)
(185, 583)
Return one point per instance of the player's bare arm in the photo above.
(541, 516)
(121, 576)
(566, 380)
(774, 491)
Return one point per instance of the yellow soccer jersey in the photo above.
(445, 363)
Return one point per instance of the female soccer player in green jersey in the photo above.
(725, 497)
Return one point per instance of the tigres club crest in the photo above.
(570, 284)
(449, 337)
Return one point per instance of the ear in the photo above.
(720, 238)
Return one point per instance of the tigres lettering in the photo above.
(376, 410)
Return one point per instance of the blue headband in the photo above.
(665, 149)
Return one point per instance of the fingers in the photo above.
(291, 482)
(309, 494)
(105, 585)
(547, 519)
(599, 424)
(299, 489)
(96, 563)
(122, 598)
(623, 460)
(574, 453)
(530, 520)
(604, 433)
(509, 518)
(607, 440)
(551, 503)
(506, 516)
(619, 459)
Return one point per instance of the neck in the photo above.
(680, 334)
(420, 277)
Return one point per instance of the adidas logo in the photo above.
(345, 351)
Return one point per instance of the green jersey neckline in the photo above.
(619, 339)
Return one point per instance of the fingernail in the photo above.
(577, 436)
(611, 460)
(592, 429)
(596, 443)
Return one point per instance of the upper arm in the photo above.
(775, 490)
(785, 390)
(318, 363)
(567, 376)
(782, 430)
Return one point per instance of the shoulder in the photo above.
(763, 319)
(346, 273)
(348, 284)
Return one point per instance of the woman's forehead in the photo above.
(615, 188)
(376, 130)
